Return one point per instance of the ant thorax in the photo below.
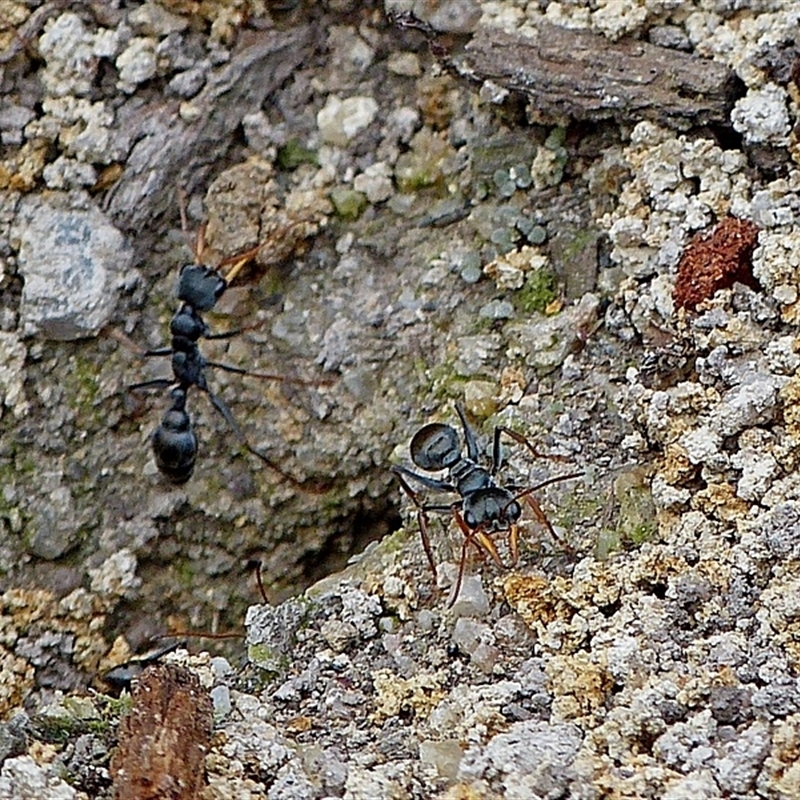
(187, 324)
(469, 477)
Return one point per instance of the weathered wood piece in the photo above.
(164, 740)
(171, 152)
(582, 75)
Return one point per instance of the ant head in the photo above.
(200, 286)
(493, 507)
(435, 447)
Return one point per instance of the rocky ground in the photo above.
(429, 225)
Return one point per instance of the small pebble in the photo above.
(497, 309)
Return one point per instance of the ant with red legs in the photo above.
(484, 507)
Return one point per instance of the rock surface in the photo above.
(413, 241)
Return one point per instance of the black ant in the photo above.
(123, 675)
(174, 440)
(485, 507)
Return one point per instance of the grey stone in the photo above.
(730, 704)
(188, 83)
(53, 527)
(67, 48)
(22, 778)
(547, 341)
(450, 16)
(73, 263)
(472, 600)
(736, 771)
(221, 698)
(497, 309)
(537, 750)
(750, 403)
(137, 63)
(12, 737)
(271, 632)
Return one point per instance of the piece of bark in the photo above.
(171, 153)
(164, 739)
(584, 76)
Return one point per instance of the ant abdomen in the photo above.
(174, 441)
(435, 446)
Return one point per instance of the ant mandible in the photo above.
(484, 506)
(174, 441)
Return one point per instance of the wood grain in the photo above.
(582, 75)
(164, 740)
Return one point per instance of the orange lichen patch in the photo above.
(462, 791)
(20, 171)
(532, 597)
(790, 395)
(164, 740)
(720, 500)
(657, 565)
(17, 681)
(437, 99)
(579, 684)
(119, 653)
(783, 762)
(717, 573)
(417, 695)
(34, 612)
(716, 260)
(592, 584)
(792, 649)
(676, 466)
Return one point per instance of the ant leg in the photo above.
(469, 434)
(479, 538)
(220, 406)
(520, 439)
(260, 583)
(182, 209)
(156, 383)
(542, 519)
(238, 264)
(199, 245)
(513, 543)
(540, 516)
(200, 242)
(267, 376)
(125, 341)
(497, 451)
(460, 577)
(428, 483)
(224, 334)
(422, 520)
